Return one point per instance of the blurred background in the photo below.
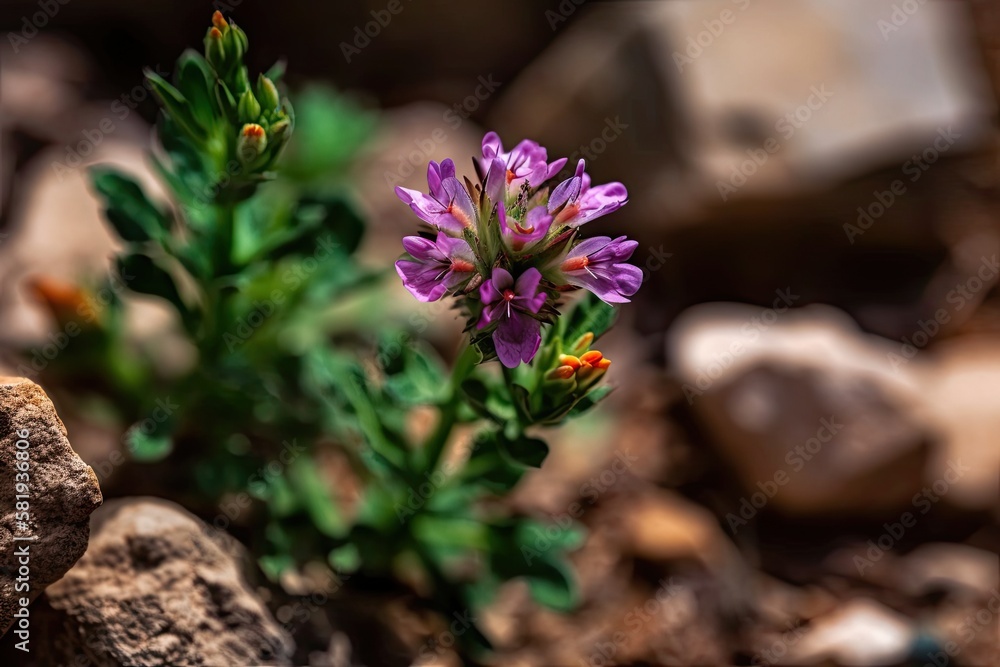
(813, 361)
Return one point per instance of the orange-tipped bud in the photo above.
(219, 21)
(215, 33)
(591, 357)
(561, 373)
(569, 360)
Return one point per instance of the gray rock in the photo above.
(62, 492)
(158, 587)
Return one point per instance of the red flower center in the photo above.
(576, 263)
(508, 295)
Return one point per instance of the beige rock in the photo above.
(62, 492)
(859, 632)
(156, 587)
(809, 411)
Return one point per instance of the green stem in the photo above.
(438, 440)
(224, 239)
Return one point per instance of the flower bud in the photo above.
(249, 108)
(582, 344)
(593, 366)
(252, 142)
(236, 44)
(280, 131)
(268, 93)
(219, 21)
(215, 52)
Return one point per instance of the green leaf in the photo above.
(590, 315)
(175, 104)
(416, 375)
(551, 585)
(195, 79)
(314, 496)
(141, 274)
(127, 208)
(530, 452)
(149, 441)
(594, 397)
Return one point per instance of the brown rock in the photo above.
(156, 587)
(62, 492)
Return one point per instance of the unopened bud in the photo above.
(280, 131)
(569, 360)
(268, 93)
(219, 21)
(252, 142)
(236, 44)
(582, 344)
(249, 108)
(215, 52)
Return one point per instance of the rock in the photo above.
(961, 402)
(958, 569)
(62, 492)
(810, 412)
(156, 587)
(860, 632)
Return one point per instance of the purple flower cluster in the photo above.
(510, 244)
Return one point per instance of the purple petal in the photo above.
(517, 339)
(421, 279)
(527, 283)
(492, 146)
(502, 279)
(423, 249)
(555, 167)
(496, 182)
(565, 192)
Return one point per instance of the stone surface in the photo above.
(62, 490)
(156, 587)
(810, 412)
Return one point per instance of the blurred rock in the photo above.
(960, 392)
(803, 406)
(764, 98)
(860, 632)
(60, 490)
(156, 588)
(958, 569)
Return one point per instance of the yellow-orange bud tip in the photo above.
(218, 20)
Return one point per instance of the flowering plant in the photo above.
(254, 253)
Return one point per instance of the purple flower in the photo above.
(598, 264)
(526, 163)
(507, 304)
(532, 229)
(574, 202)
(437, 266)
(448, 207)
